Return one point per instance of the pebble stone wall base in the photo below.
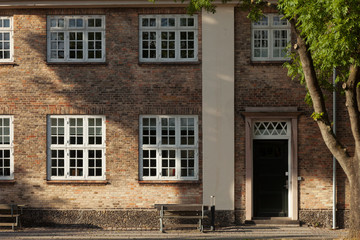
(146, 219)
(323, 218)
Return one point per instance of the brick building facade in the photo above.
(55, 101)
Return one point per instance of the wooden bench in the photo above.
(185, 211)
(9, 215)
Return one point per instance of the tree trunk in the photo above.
(354, 231)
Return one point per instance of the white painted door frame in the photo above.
(291, 118)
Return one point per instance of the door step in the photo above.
(273, 221)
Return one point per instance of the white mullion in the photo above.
(177, 143)
(177, 164)
(85, 164)
(103, 161)
(11, 163)
(66, 163)
(196, 164)
(158, 146)
(67, 147)
(177, 44)
(66, 45)
(158, 45)
(103, 132)
(103, 45)
(159, 167)
(158, 38)
(271, 40)
(196, 132)
(85, 131)
(196, 37)
(86, 145)
(11, 43)
(86, 43)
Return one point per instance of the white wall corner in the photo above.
(218, 67)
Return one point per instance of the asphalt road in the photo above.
(235, 232)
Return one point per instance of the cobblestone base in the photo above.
(323, 218)
(146, 219)
(119, 219)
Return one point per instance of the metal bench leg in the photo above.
(161, 219)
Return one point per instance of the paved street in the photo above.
(236, 232)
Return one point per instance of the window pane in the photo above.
(71, 22)
(98, 22)
(95, 162)
(263, 21)
(57, 162)
(76, 131)
(149, 156)
(168, 131)
(76, 160)
(149, 131)
(187, 163)
(6, 23)
(168, 163)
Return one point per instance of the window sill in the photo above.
(10, 181)
(169, 181)
(80, 182)
(8, 64)
(77, 63)
(268, 63)
(171, 63)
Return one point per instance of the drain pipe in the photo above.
(334, 159)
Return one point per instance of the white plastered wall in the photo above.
(218, 107)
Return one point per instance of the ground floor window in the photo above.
(76, 147)
(168, 147)
(6, 147)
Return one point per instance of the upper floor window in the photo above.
(168, 38)
(270, 37)
(6, 148)
(76, 38)
(76, 147)
(6, 39)
(168, 148)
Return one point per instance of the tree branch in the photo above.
(350, 87)
(319, 103)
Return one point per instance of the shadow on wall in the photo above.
(121, 89)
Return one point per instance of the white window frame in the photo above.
(177, 29)
(9, 147)
(177, 147)
(8, 30)
(67, 147)
(85, 29)
(270, 28)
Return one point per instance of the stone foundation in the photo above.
(148, 219)
(323, 218)
(119, 219)
(145, 219)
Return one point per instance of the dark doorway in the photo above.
(270, 178)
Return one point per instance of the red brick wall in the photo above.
(121, 89)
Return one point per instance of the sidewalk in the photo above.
(235, 232)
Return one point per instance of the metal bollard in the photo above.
(212, 202)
